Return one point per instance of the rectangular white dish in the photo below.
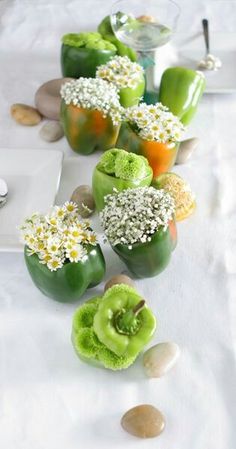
(33, 178)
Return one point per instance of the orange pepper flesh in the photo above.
(160, 156)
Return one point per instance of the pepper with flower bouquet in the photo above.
(154, 132)
(62, 253)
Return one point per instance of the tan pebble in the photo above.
(186, 148)
(143, 421)
(25, 115)
(159, 359)
(119, 279)
(146, 19)
(83, 197)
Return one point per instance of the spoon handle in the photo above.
(206, 34)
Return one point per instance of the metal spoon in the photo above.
(3, 192)
(209, 62)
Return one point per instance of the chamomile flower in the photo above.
(59, 212)
(53, 244)
(91, 238)
(55, 263)
(70, 207)
(76, 253)
(52, 220)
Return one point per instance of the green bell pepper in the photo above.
(82, 53)
(119, 170)
(94, 332)
(181, 90)
(151, 258)
(106, 31)
(123, 322)
(131, 97)
(69, 282)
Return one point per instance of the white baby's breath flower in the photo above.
(93, 93)
(134, 215)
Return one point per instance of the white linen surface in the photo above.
(49, 399)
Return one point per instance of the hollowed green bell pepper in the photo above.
(106, 31)
(87, 130)
(82, 53)
(68, 283)
(181, 90)
(151, 258)
(131, 97)
(119, 170)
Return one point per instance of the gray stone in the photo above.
(186, 148)
(83, 197)
(51, 131)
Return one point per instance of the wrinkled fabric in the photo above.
(48, 397)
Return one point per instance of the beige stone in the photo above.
(159, 359)
(186, 148)
(51, 131)
(83, 197)
(48, 100)
(143, 421)
(25, 115)
(119, 279)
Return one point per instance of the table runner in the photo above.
(49, 399)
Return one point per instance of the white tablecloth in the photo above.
(48, 398)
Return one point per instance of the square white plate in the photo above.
(33, 178)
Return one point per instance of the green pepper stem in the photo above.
(127, 322)
(138, 307)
